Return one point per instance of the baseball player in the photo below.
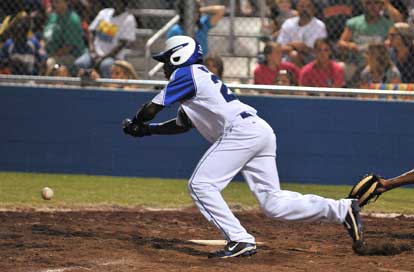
(241, 141)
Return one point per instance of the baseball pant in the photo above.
(249, 146)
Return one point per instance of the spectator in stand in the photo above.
(335, 13)
(402, 7)
(24, 56)
(109, 34)
(400, 40)
(122, 69)
(88, 75)
(379, 68)
(14, 9)
(47, 4)
(280, 11)
(207, 17)
(87, 11)
(57, 70)
(266, 72)
(5, 67)
(39, 19)
(323, 71)
(82, 8)
(285, 78)
(361, 30)
(298, 34)
(63, 34)
(215, 64)
(249, 7)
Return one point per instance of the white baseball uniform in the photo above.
(242, 141)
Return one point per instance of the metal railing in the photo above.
(153, 12)
(79, 82)
(151, 41)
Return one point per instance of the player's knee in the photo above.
(273, 210)
(200, 188)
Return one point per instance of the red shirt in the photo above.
(331, 76)
(265, 76)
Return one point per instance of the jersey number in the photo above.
(225, 92)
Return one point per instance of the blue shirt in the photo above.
(201, 34)
(28, 55)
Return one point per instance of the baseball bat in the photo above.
(401, 180)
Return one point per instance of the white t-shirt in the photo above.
(292, 32)
(109, 30)
(206, 100)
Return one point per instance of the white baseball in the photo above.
(47, 193)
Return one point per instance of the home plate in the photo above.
(214, 242)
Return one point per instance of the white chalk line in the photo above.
(86, 208)
(388, 215)
(138, 209)
(77, 267)
(65, 269)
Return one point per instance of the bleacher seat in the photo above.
(239, 62)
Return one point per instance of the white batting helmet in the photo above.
(180, 51)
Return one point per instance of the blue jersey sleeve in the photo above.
(181, 87)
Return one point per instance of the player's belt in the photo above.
(245, 114)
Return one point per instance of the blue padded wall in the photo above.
(325, 141)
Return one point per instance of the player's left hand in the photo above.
(367, 189)
(133, 129)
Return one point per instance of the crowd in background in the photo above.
(67, 38)
(340, 43)
(326, 43)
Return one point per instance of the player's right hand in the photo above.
(133, 129)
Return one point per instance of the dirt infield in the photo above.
(137, 240)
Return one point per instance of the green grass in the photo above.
(22, 190)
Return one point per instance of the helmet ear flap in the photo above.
(168, 69)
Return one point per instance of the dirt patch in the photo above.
(137, 240)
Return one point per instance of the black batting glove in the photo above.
(136, 130)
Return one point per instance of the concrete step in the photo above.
(242, 26)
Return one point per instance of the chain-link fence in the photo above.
(325, 43)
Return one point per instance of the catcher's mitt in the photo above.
(366, 189)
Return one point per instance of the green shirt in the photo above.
(64, 30)
(363, 33)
